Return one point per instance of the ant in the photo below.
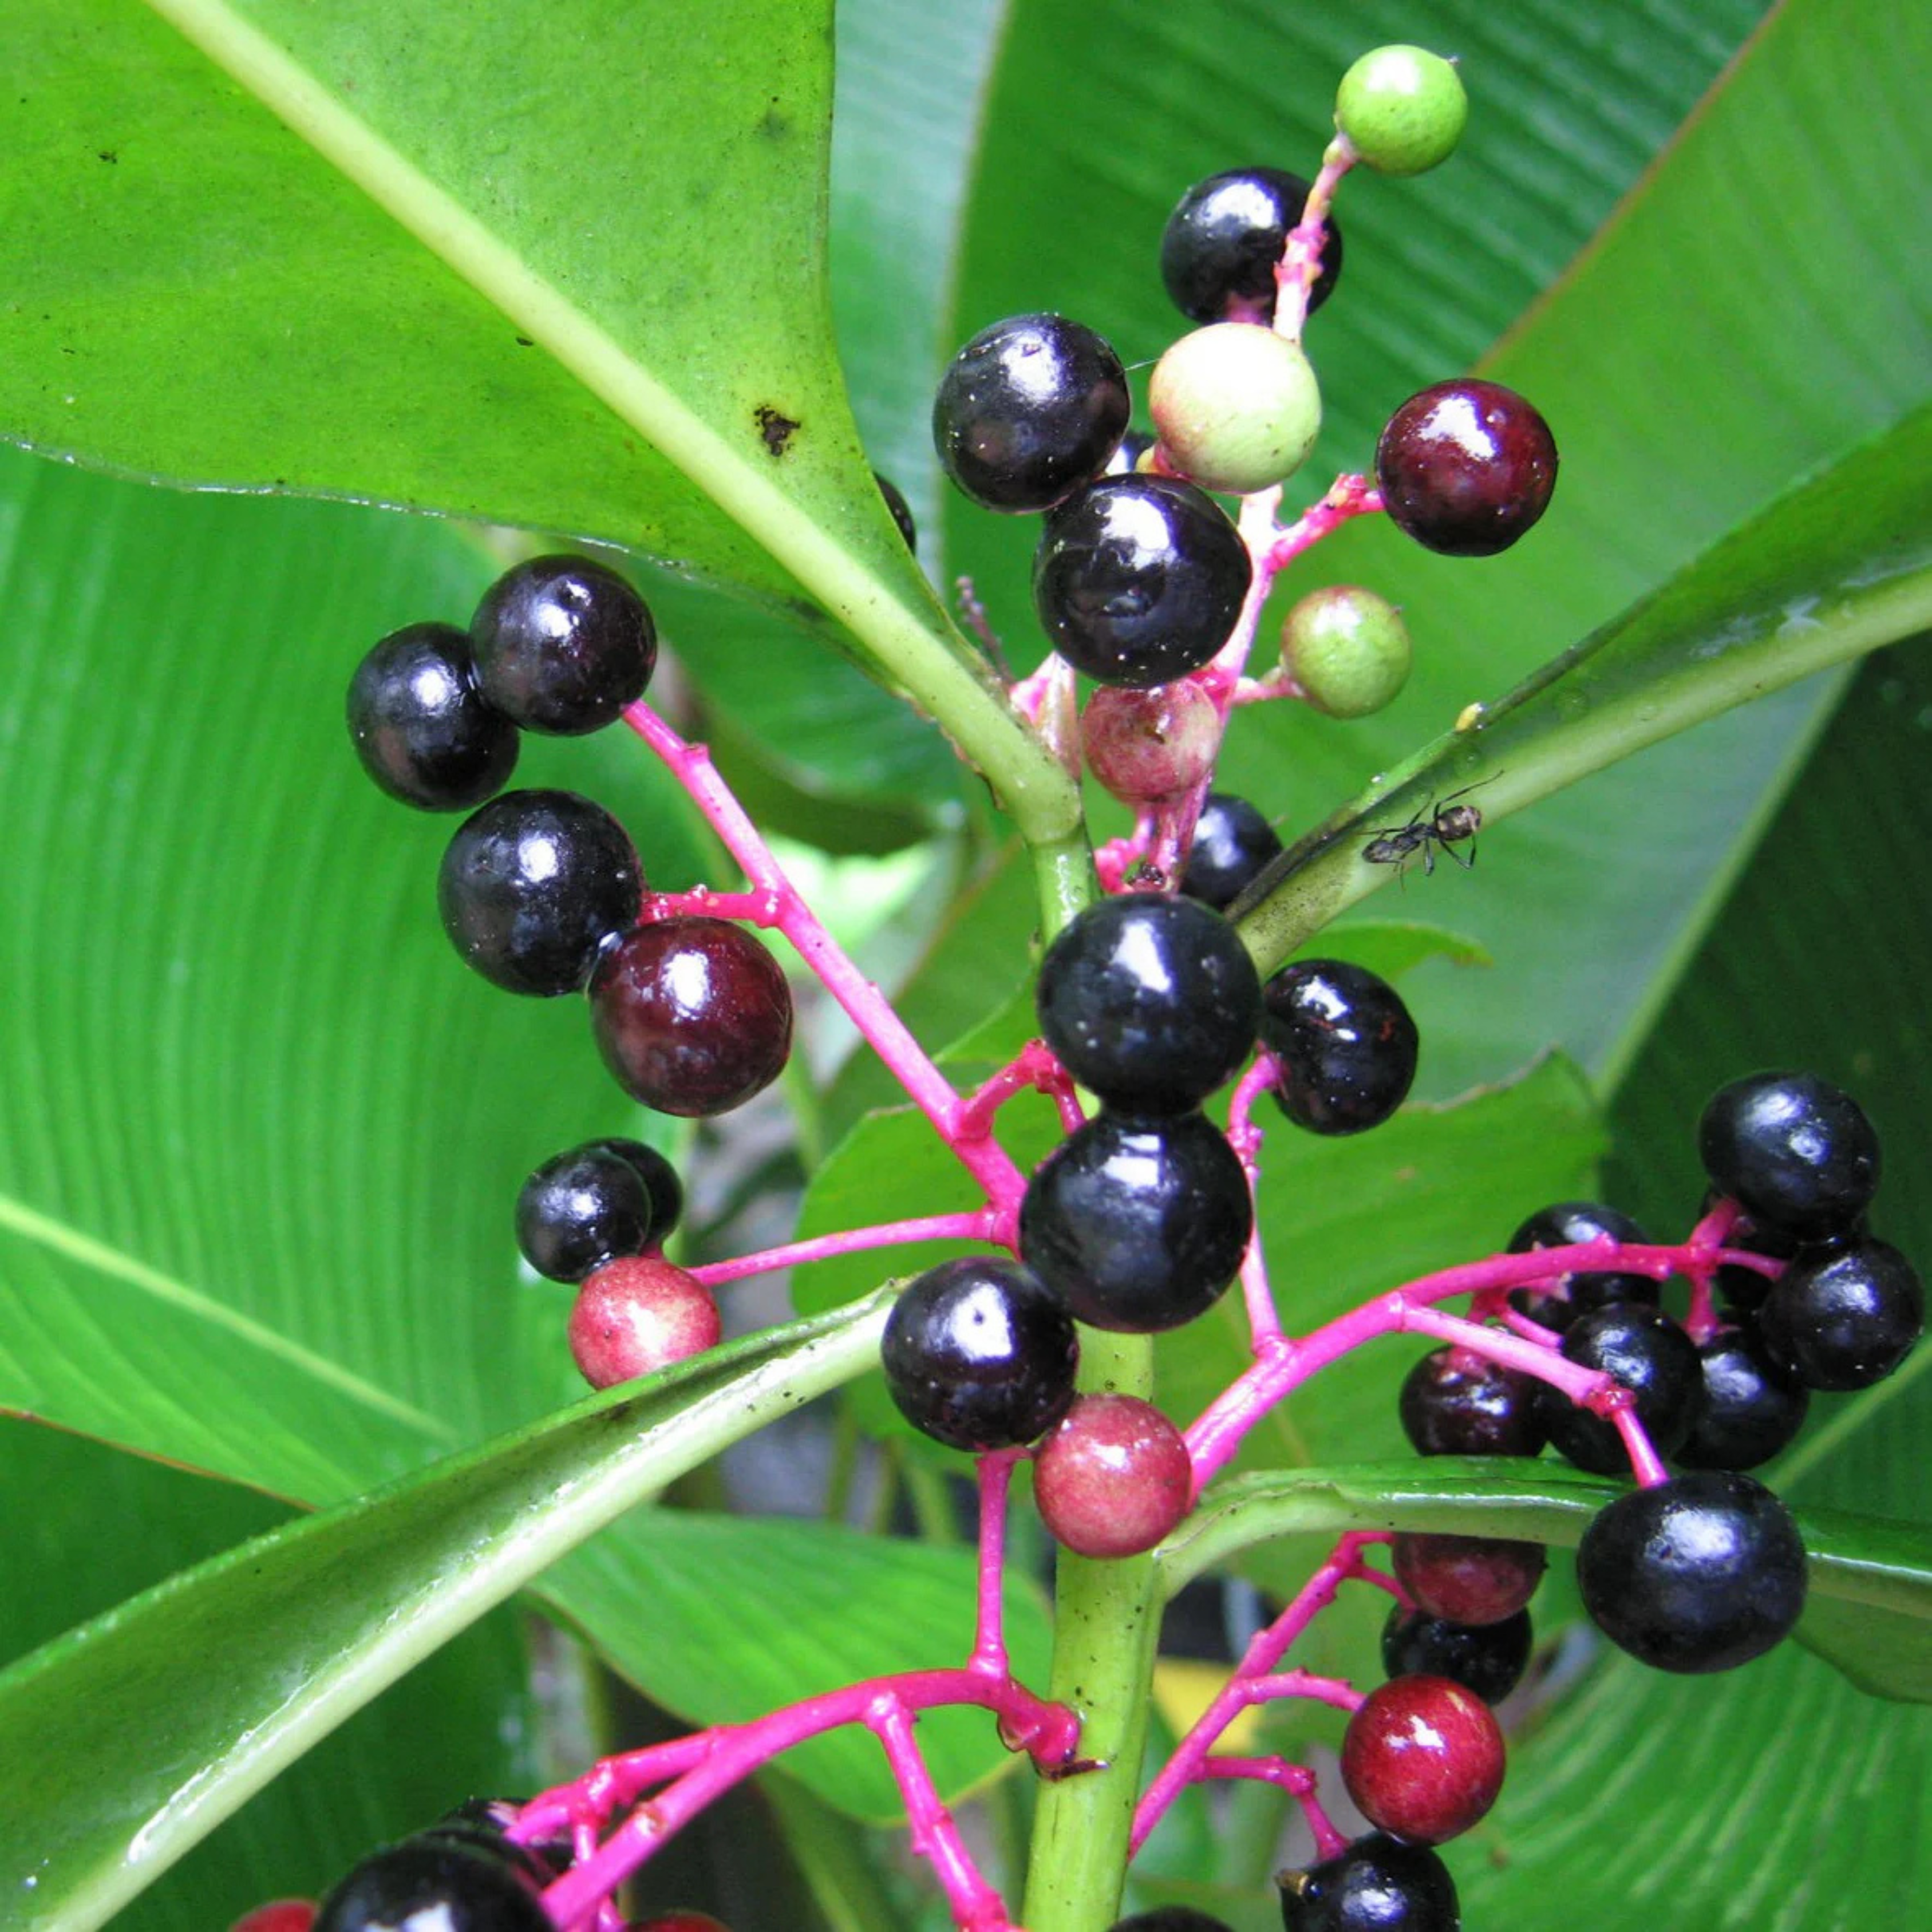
(1443, 824)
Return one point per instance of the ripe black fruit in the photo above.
(1171, 1919)
(580, 1209)
(1701, 1573)
(1844, 1317)
(1225, 239)
(1457, 1402)
(1345, 1042)
(1489, 1659)
(1137, 1225)
(1575, 1223)
(1647, 1352)
(1232, 842)
(1138, 580)
(421, 1885)
(1379, 1884)
(1793, 1150)
(1753, 1406)
(1466, 467)
(978, 1356)
(563, 644)
(1152, 1003)
(533, 885)
(660, 1181)
(422, 726)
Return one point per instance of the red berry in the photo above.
(283, 1915)
(1422, 1758)
(1466, 467)
(1114, 1478)
(1146, 745)
(1468, 1579)
(678, 1921)
(637, 1316)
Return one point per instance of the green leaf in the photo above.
(1393, 947)
(130, 1739)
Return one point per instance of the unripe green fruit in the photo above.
(1347, 648)
(1237, 407)
(1402, 108)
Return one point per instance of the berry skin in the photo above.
(419, 1886)
(1171, 1919)
(1422, 1758)
(678, 1921)
(1236, 407)
(1844, 1317)
(1465, 468)
(1701, 1573)
(1145, 746)
(1224, 238)
(1345, 1044)
(534, 886)
(1347, 648)
(1753, 1406)
(1468, 1579)
(562, 645)
(580, 1209)
(1646, 1351)
(422, 726)
(1489, 1659)
(1152, 1003)
(1029, 409)
(1114, 1478)
(280, 1914)
(901, 511)
(1378, 1884)
(1137, 1225)
(1138, 580)
(1743, 1288)
(1792, 1149)
(1456, 1402)
(637, 1315)
(978, 1356)
(1557, 1303)
(661, 1182)
(1403, 109)
(692, 1015)
(1232, 843)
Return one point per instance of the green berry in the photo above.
(1402, 108)
(1237, 407)
(1347, 648)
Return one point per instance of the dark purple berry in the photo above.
(1127, 459)
(1793, 1151)
(422, 726)
(1225, 239)
(1753, 1406)
(1344, 1042)
(1701, 1573)
(580, 1209)
(978, 1356)
(1030, 409)
(1457, 1402)
(1557, 1303)
(661, 1182)
(1844, 1317)
(1137, 1225)
(534, 886)
(1138, 580)
(563, 644)
(692, 1015)
(1743, 1289)
(1152, 1003)
(1653, 1357)
(1489, 1659)
(1232, 842)
(1378, 1884)
(901, 512)
(1466, 467)
(1469, 1579)
(1171, 1919)
(1422, 1758)
(423, 1886)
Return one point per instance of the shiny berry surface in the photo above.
(563, 644)
(1144, 746)
(1232, 842)
(1792, 1149)
(1030, 409)
(1466, 467)
(1345, 1043)
(1558, 1302)
(580, 1209)
(1844, 1317)
(1402, 108)
(692, 1015)
(1646, 1351)
(638, 1315)
(1223, 242)
(1347, 650)
(660, 1183)
(1114, 1478)
(1468, 1579)
(533, 885)
(422, 726)
(421, 1887)
(1378, 1884)
(978, 1356)
(1701, 1573)
(1489, 1659)
(1138, 580)
(1422, 1758)
(279, 1915)
(901, 511)
(1237, 408)
(1151, 1002)
(1138, 1224)
(1743, 1289)
(1456, 1402)
(1753, 1407)
(1171, 1919)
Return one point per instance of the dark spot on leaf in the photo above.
(775, 126)
(775, 427)
(525, 341)
(108, 154)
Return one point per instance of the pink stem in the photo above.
(1034, 1067)
(1298, 1780)
(1301, 264)
(979, 1226)
(1118, 857)
(989, 1636)
(701, 902)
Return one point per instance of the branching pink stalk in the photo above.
(1298, 1781)
(1295, 274)
(982, 1226)
(1033, 1068)
(995, 1473)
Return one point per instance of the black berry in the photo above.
(661, 1182)
(1457, 1402)
(422, 726)
(533, 885)
(1232, 842)
(1845, 1316)
(1753, 1406)
(1030, 409)
(1225, 239)
(1653, 1358)
(1171, 1919)
(1489, 1659)
(1151, 1002)
(978, 1356)
(1743, 1289)
(1466, 467)
(1138, 580)
(421, 1885)
(1792, 1149)
(1137, 1225)
(1701, 1573)
(901, 511)
(1557, 1303)
(580, 1209)
(1379, 1884)
(1345, 1043)
(563, 644)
